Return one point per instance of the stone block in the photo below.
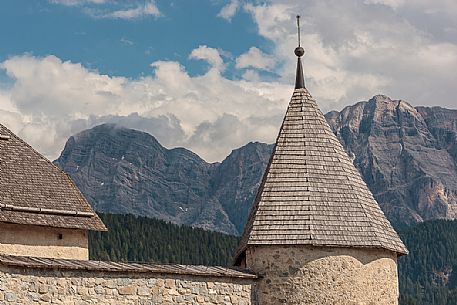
(43, 288)
(45, 298)
(83, 291)
(127, 290)
(10, 297)
(124, 281)
(99, 289)
(170, 283)
(144, 291)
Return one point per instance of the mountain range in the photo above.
(126, 171)
(407, 156)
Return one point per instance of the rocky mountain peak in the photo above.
(400, 156)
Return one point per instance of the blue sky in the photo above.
(126, 47)
(212, 75)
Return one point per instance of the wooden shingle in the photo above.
(33, 191)
(312, 194)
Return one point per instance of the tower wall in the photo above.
(323, 275)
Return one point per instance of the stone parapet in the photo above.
(34, 284)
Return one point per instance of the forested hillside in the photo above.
(428, 275)
(141, 239)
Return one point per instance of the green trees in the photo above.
(141, 239)
(428, 275)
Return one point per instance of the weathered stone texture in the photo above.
(39, 241)
(318, 275)
(35, 286)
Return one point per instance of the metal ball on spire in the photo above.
(299, 51)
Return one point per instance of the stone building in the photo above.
(42, 213)
(315, 234)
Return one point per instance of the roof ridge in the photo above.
(10, 207)
(123, 267)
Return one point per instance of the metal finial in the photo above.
(299, 51)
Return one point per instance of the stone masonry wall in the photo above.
(313, 275)
(42, 286)
(39, 241)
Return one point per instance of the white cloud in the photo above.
(357, 49)
(146, 9)
(127, 10)
(78, 2)
(229, 10)
(52, 99)
(50, 87)
(392, 3)
(251, 75)
(127, 41)
(255, 58)
(211, 55)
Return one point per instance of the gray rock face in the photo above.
(406, 155)
(122, 170)
(237, 178)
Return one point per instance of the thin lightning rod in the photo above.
(298, 26)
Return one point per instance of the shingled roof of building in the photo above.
(311, 193)
(34, 191)
(123, 267)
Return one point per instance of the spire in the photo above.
(299, 51)
(311, 193)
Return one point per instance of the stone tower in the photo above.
(315, 234)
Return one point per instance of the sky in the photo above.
(212, 75)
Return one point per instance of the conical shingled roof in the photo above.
(312, 194)
(33, 191)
